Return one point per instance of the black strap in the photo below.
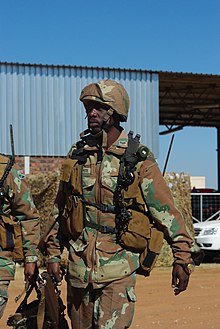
(106, 208)
(128, 162)
(101, 228)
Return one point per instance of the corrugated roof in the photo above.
(185, 98)
(115, 68)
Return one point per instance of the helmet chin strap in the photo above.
(105, 126)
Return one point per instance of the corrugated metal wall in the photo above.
(42, 103)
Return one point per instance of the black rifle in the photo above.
(11, 161)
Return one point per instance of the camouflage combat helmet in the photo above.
(108, 92)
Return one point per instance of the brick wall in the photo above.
(40, 164)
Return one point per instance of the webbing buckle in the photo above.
(104, 229)
(107, 229)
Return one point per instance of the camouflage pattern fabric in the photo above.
(96, 257)
(3, 296)
(21, 209)
(110, 307)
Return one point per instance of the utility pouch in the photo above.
(134, 233)
(73, 213)
(149, 256)
(74, 218)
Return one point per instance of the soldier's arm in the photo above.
(51, 239)
(160, 203)
(24, 211)
(53, 248)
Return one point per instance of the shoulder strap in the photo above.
(41, 308)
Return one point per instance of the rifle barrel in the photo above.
(12, 141)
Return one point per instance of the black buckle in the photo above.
(107, 229)
(104, 229)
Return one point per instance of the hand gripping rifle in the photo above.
(46, 310)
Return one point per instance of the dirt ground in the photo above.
(157, 307)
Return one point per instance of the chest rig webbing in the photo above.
(133, 154)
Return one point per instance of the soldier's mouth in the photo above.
(93, 123)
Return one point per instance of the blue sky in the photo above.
(165, 35)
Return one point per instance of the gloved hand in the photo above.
(30, 272)
(180, 278)
(55, 270)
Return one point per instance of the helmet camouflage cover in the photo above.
(110, 93)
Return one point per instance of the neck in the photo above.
(112, 135)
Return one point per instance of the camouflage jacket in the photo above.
(19, 224)
(96, 257)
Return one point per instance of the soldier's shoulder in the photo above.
(145, 153)
(17, 172)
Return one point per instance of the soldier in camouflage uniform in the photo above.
(19, 228)
(101, 273)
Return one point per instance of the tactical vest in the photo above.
(10, 230)
(134, 228)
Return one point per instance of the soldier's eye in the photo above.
(98, 107)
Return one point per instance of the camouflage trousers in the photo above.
(110, 307)
(3, 296)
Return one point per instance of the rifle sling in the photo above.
(101, 206)
(41, 309)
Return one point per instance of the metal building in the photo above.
(42, 103)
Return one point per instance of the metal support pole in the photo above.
(168, 155)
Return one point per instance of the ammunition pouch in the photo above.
(11, 237)
(133, 230)
(137, 234)
(46, 311)
(150, 255)
(72, 219)
(74, 216)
